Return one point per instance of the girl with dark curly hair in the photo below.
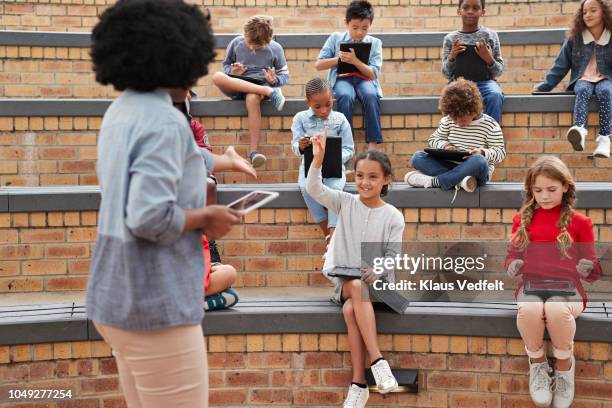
(551, 241)
(144, 293)
(464, 127)
(587, 51)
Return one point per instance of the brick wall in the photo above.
(62, 150)
(51, 251)
(300, 15)
(59, 72)
(313, 370)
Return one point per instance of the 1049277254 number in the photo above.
(39, 394)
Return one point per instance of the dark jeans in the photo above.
(451, 173)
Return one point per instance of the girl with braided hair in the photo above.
(548, 217)
(319, 117)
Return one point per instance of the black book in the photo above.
(469, 65)
(362, 50)
(332, 160)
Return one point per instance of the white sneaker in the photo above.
(385, 381)
(576, 136)
(539, 383)
(563, 388)
(356, 397)
(603, 146)
(469, 184)
(418, 179)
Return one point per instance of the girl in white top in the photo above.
(368, 218)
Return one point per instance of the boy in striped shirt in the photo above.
(464, 127)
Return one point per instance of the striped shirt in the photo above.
(482, 133)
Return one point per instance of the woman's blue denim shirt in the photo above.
(575, 54)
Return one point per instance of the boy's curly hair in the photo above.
(149, 44)
(578, 26)
(258, 30)
(460, 98)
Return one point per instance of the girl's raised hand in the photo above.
(584, 267)
(318, 148)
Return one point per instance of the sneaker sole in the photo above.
(601, 155)
(471, 185)
(258, 161)
(281, 106)
(388, 390)
(573, 136)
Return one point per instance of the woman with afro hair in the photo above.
(144, 293)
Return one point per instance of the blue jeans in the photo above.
(346, 89)
(450, 173)
(492, 98)
(584, 90)
(317, 210)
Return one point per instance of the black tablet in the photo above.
(332, 160)
(549, 287)
(255, 81)
(469, 65)
(362, 50)
(343, 272)
(444, 154)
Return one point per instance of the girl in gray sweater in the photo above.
(362, 218)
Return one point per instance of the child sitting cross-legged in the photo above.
(464, 127)
(254, 69)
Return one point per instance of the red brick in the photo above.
(282, 248)
(248, 379)
(318, 397)
(68, 283)
(318, 360)
(297, 378)
(453, 381)
(79, 403)
(226, 360)
(41, 371)
(231, 397)
(474, 363)
(270, 397)
(593, 389)
(461, 400)
(268, 360)
(108, 366)
(99, 385)
(423, 361)
(337, 378)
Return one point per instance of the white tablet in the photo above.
(253, 200)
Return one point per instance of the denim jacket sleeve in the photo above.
(376, 58)
(329, 48)
(562, 65)
(297, 132)
(348, 145)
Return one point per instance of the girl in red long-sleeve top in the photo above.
(551, 241)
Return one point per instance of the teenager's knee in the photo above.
(218, 78)
(252, 99)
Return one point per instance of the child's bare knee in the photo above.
(217, 77)
(252, 98)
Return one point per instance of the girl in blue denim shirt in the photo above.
(588, 53)
(316, 120)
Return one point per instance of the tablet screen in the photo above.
(253, 200)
